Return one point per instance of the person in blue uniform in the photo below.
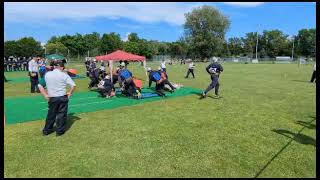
(126, 79)
(155, 76)
(214, 69)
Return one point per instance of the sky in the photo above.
(162, 21)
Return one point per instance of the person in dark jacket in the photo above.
(106, 87)
(165, 78)
(214, 70)
(155, 76)
(94, 77)
(127, 83)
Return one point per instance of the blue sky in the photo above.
(161, 21)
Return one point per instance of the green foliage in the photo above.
(24, 47)
(205, 29)
(306, 42)
(56, 48)
(110, 43)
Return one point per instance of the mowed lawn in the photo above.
(263, 126)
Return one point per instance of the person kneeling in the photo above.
(106, 88)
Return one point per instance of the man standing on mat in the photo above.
(56, 82)
(33, 73)
(214, 70)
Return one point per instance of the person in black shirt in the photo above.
(106, 87)
(25, 64)
(94, 76)
(214, 70)
(10, 64)
(155, 76)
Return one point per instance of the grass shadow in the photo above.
(71, 119)
(298, 137)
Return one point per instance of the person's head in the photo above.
(122, 64)
(159, 68)
(58, 64)
(149, 69)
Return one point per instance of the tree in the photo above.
(250, 41)
(133, 37)
(10, 48)
(306, 42)
(235, 46)
(205, 29)
(92, 43)
(28, 47)
(275, 43)
(110, 42)
(132, 47)
(57, 47)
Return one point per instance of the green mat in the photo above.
(27, 79)
(18, 110)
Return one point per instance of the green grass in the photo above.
(264, 125)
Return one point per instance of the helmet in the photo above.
(108, 76)
(122, 64)
(148, 69)
(159, 68)
(215, 59)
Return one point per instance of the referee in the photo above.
(56, 82)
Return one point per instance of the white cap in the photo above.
(107, 76)
(122, 64)
(148, 68)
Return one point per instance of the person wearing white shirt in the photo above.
(190, 70)
(313, 77)
(56, 82)
(33, 73)
(163, 65)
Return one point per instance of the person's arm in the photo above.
(30, 66)
(207, 69)
(41, 86)
(71, 83)
(221, 68)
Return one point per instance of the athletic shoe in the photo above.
(138, 94)
(204, 95)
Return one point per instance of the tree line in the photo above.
(204, 37)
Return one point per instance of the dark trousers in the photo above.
(57, 113)
(10, 67)
(25, 67)
(130, 88)
(34, 83)
(94, 82)
(164, 69)
(190, 71)
(5, 67)
(160, 89)
(214, 84)
(168, 82)
(313, 77)
(105, 91)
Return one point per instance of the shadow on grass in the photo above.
(298, 137)
(200, 95)
(71, 119)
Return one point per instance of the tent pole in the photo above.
(145, 69)
(110, 68)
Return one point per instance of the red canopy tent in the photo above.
(121, 56)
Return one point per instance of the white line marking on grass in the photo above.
(82, 104)
(77, 99)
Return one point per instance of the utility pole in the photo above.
(292, 48)
(257, 44)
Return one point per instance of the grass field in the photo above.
(263, 126)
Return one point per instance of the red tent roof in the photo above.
(120, 55)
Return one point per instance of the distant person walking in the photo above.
(163, 65)
(34, 74)
(313, 77)
(56, 82)
(190, 69)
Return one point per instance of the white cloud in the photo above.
(146, 12)
(245, 4)
(125, 39)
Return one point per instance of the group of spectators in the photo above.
(16, 63)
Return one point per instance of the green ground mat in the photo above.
(27, 79)
(24, 109)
